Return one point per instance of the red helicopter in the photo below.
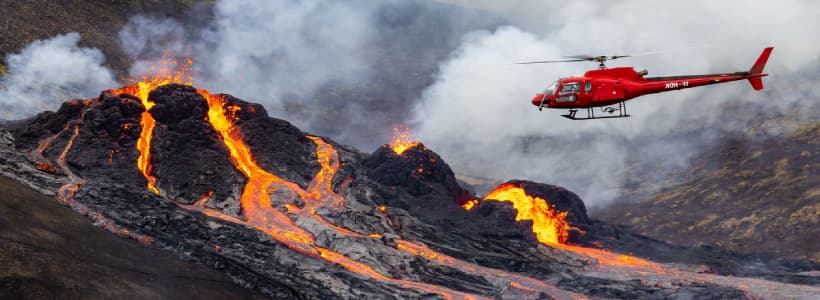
(605, 87)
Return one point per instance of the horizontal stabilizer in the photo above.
(757, 83)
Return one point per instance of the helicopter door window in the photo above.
(588, 86)
(572, 87)
(566, 98)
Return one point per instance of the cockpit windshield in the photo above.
(551, 89)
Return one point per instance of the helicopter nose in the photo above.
(537, 100)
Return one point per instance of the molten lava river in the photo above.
(297, 227)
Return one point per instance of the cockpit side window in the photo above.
(551, 89)
(570, 87)
(588, 86)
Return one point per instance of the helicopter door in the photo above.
(609, 91)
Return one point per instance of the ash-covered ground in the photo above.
(299, 216)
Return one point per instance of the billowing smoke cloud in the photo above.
(478, 115)
(352, 69)
(48, 72)
(347, 69)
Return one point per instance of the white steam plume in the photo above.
(478, 115)
(349, 69)
(47, 72)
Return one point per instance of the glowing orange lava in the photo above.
(38, 155)
(549, 225)
(169, 71)
(321, 189)
(66, 192)
(402, 140)
(259, 213)
(255, 201)
(470, 204)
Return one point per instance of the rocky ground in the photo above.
(297, 216)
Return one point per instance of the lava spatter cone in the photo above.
(417, 172)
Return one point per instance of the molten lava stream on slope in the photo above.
(320, 189)
(66, 192)
(328, 158)
(552, 229)
(259, 214)
(625, 267)
(38, 155)
(160, 76)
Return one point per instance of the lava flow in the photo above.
(66, 192)
(161, 76)
(402, 140)
(259, 213)
(552, 229)
(38, 155)
(550, 226)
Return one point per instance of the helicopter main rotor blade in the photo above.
(602, 58)
(609, 57)
(550, 61)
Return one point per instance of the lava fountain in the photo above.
(402, 140)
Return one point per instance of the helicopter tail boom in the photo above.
(756, 72)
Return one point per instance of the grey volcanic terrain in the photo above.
(48, 251)
(293, 215)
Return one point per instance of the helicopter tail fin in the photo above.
(756, 72)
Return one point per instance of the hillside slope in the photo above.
(97, 22)
(49, 251)
(757, 195)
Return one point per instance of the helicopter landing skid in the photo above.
(591, 113)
